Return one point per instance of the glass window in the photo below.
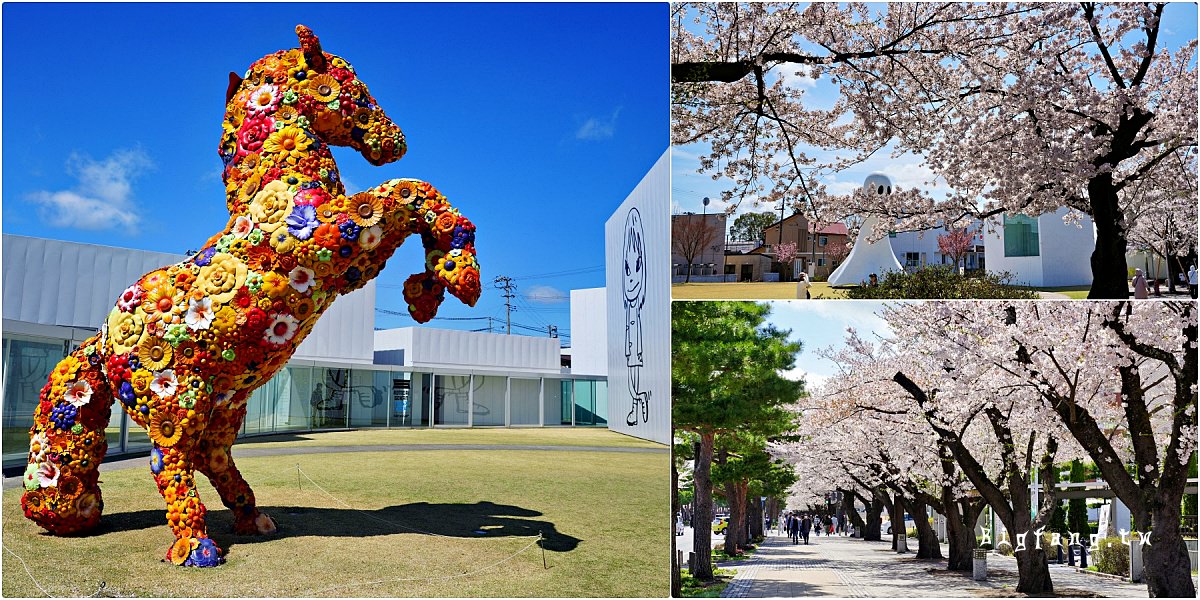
(912, 260)
(366, 401)
(823, 240)
(488, 400)
(1020, 236)
(27, 366)
(552, 402)
(451, 399)
(568, 405)
(523, 401)
(585, 403)
(601, 402)
(294, 394)
(329, 397)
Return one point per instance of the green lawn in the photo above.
(539, 436)
(750, 291)
(604, 516)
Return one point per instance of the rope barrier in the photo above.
(28, 572)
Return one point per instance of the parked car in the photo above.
(886, 528)
(720, 524)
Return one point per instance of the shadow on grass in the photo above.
(479, 520)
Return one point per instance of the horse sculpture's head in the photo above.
(321, 89)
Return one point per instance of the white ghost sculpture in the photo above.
(868, 257)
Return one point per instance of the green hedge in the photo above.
(1111, 556)
(942, 282)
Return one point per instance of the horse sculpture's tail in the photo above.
(62, 488)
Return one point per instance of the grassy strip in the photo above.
(695, 588)
(436, 523)
(751, 291)
(499, 436)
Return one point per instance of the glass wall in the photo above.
(523, 401)
(451, 399)
(488, 400)
(27, 366)
(1020, 236)
(585, 403)
(329, 398)
(304, 398)
(553, 404)
(368, 405)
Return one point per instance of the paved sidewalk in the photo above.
(851, 568)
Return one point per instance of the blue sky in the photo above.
(822, 324)
(688, 187)
(535, 120)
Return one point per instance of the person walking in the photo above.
(805, 527)
(802, 285)
(794, 528)
(834, 525)
(1140, 290)
(817, 526)
(1192, 281)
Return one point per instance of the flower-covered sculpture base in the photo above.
(185, 345)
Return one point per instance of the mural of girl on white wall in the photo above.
(634, 278)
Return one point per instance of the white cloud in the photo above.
(103, 196)
(544, 294)
(799, 78)
(598, 128)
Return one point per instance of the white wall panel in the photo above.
(589, 332)
(468, 350)
(640, 319)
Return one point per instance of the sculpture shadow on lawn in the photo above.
(456, 520)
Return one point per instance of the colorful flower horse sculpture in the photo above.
(185, 345)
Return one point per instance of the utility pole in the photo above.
(552, 330)
(506, 284)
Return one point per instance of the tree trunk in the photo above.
(852, 513)
(676, 580)
(756, 518)
(927, 539)
(899, 534)
(735, 533)
(1032, 571)
(1109, 270)
(1168, 572)
(874, 522)
(960, 531)
(703, 515)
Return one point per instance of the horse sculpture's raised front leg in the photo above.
(449, 241)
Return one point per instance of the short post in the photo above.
(692, 563)
(1070, 555)
(1058, 548)
(1083, 552)
(979, 566)
(1135, 560)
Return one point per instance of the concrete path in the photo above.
(851, 568)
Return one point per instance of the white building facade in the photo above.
(638, 264)
(1042, 251)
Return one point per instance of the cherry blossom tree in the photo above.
(956, 243)
(786, 254)
(1018, 108)
(1119, 378)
